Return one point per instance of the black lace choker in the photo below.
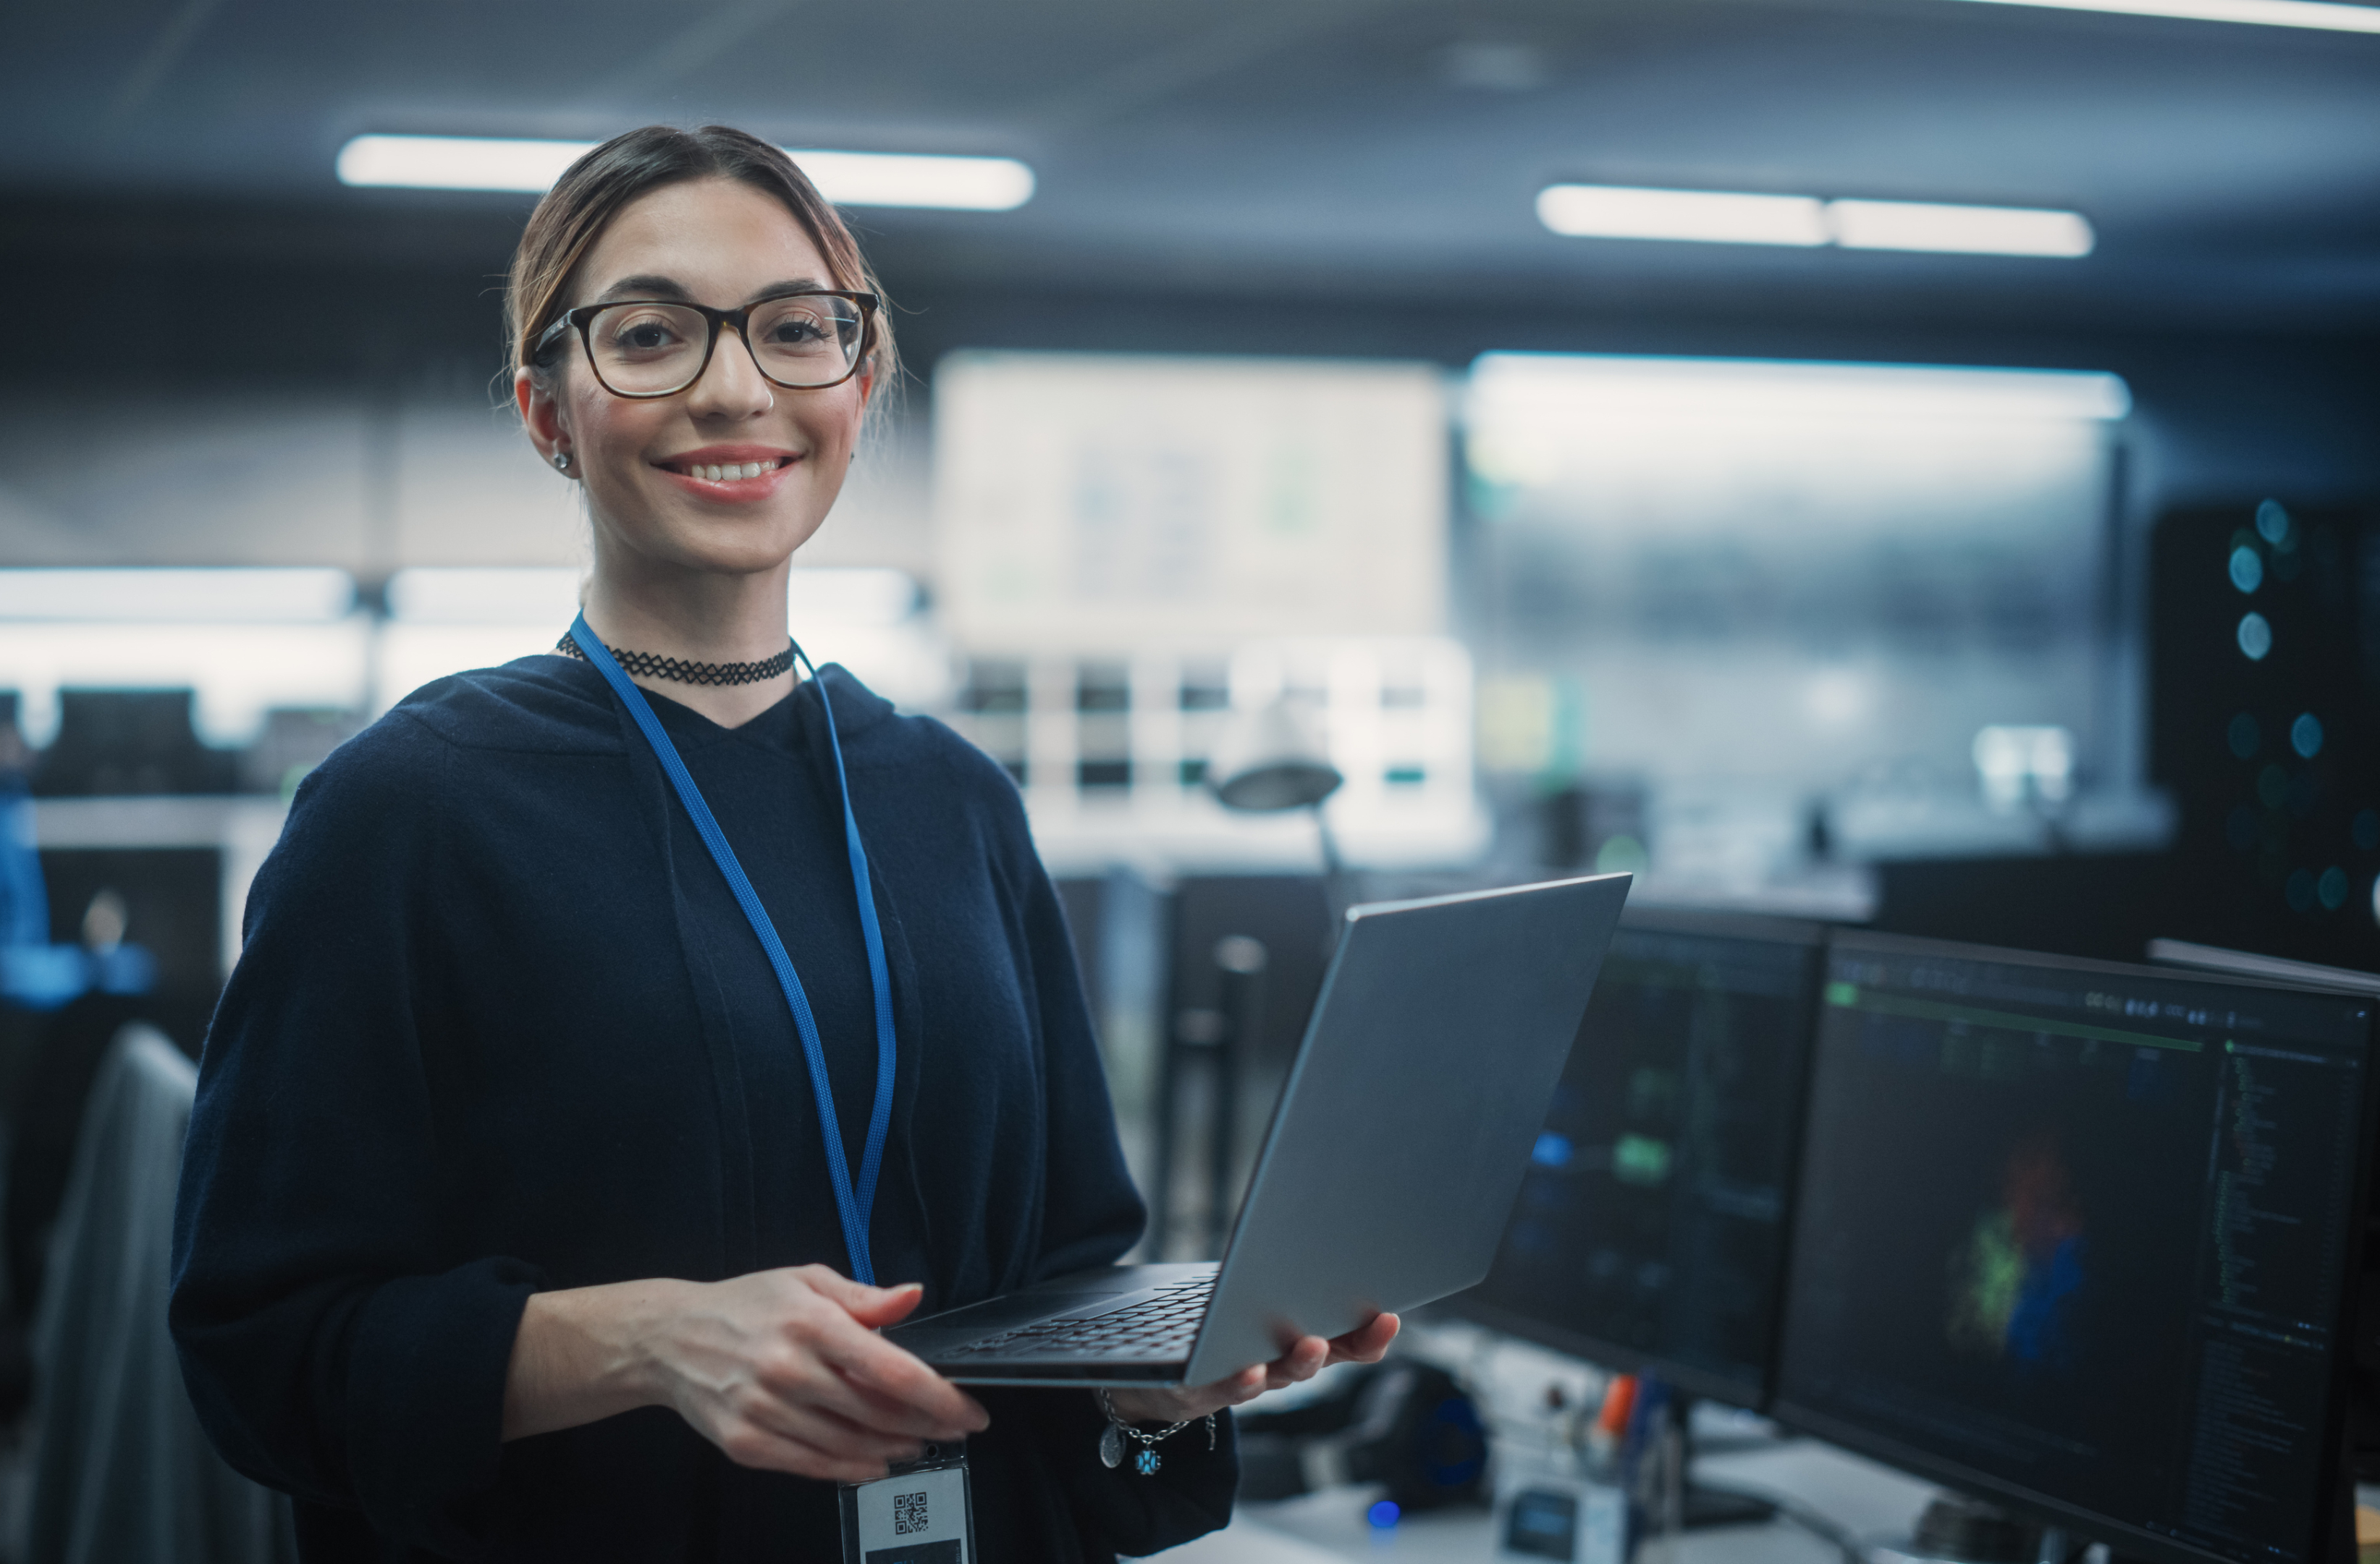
(677, 671)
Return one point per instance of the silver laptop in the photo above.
(1392, 1160)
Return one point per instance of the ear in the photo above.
(541, 415)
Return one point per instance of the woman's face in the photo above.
(724, 243)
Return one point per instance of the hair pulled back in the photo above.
(576, 211)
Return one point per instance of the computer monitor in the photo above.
(2081, 1237)
(1649, 1233)
(2264, 969)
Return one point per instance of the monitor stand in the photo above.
(1966, 1531)
(1700, 1507)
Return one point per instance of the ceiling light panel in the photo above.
(1970, 230)
(965, 184)
(2317, 14)
(1806, 222)
(847, 178)
(1701, 217)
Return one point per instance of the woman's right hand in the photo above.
(782, 1370)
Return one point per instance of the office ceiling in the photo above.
(1381, 148)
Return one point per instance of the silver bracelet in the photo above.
(1112, 1436)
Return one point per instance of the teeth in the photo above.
(729, 472)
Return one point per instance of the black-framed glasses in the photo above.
(644, 347)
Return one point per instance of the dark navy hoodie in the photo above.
(499, 1026)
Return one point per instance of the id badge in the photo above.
(920, 1515)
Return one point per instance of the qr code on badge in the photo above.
(908, 1514)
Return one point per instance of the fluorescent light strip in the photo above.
(1805, 222)
(966, 184)
(202, 595)
(1707, 216)
(1559, 390)
(847, 178)
(1968, 230)
(456, 162)
(2255, 13)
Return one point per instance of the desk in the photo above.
(1329, 1527)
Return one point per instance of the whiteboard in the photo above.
(1094, 503)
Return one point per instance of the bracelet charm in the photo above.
(1146, 1460)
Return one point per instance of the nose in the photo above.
(730, 385)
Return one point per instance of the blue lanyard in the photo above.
(854, 1202)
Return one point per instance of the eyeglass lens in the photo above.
(645, 349)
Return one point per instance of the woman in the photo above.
(518, 1218)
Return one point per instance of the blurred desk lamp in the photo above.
(1271, 758)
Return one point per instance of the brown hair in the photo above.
(573, 214)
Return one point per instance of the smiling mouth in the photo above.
(725, 472)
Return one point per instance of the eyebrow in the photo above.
(645, 287)
(649, 286)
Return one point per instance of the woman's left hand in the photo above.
(1305, 1358)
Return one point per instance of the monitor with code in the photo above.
(2082, 1237)
(1650, 1230)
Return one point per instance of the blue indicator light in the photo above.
(2255, 637)
(2246, 569)
(1383, 1515)
(2306, 736)
(1552, 1151)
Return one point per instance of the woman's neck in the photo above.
(697, 617)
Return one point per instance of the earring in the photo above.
(562, 461)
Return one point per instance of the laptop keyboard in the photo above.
(1159, 1326)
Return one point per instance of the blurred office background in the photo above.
(1975, 533)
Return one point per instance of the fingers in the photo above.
(1301, 1362)
(875, 1307)
(782, 1371)
(1245, 1386)
(821, 1429)
(1238, 1391)
(885, 1380)
(836, 1362)
(1367, 1343)
(845, 1338)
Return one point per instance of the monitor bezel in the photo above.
(1701, 1381)
(2335, 1490)
(2219, 961)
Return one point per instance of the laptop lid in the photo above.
(1402, 1136)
